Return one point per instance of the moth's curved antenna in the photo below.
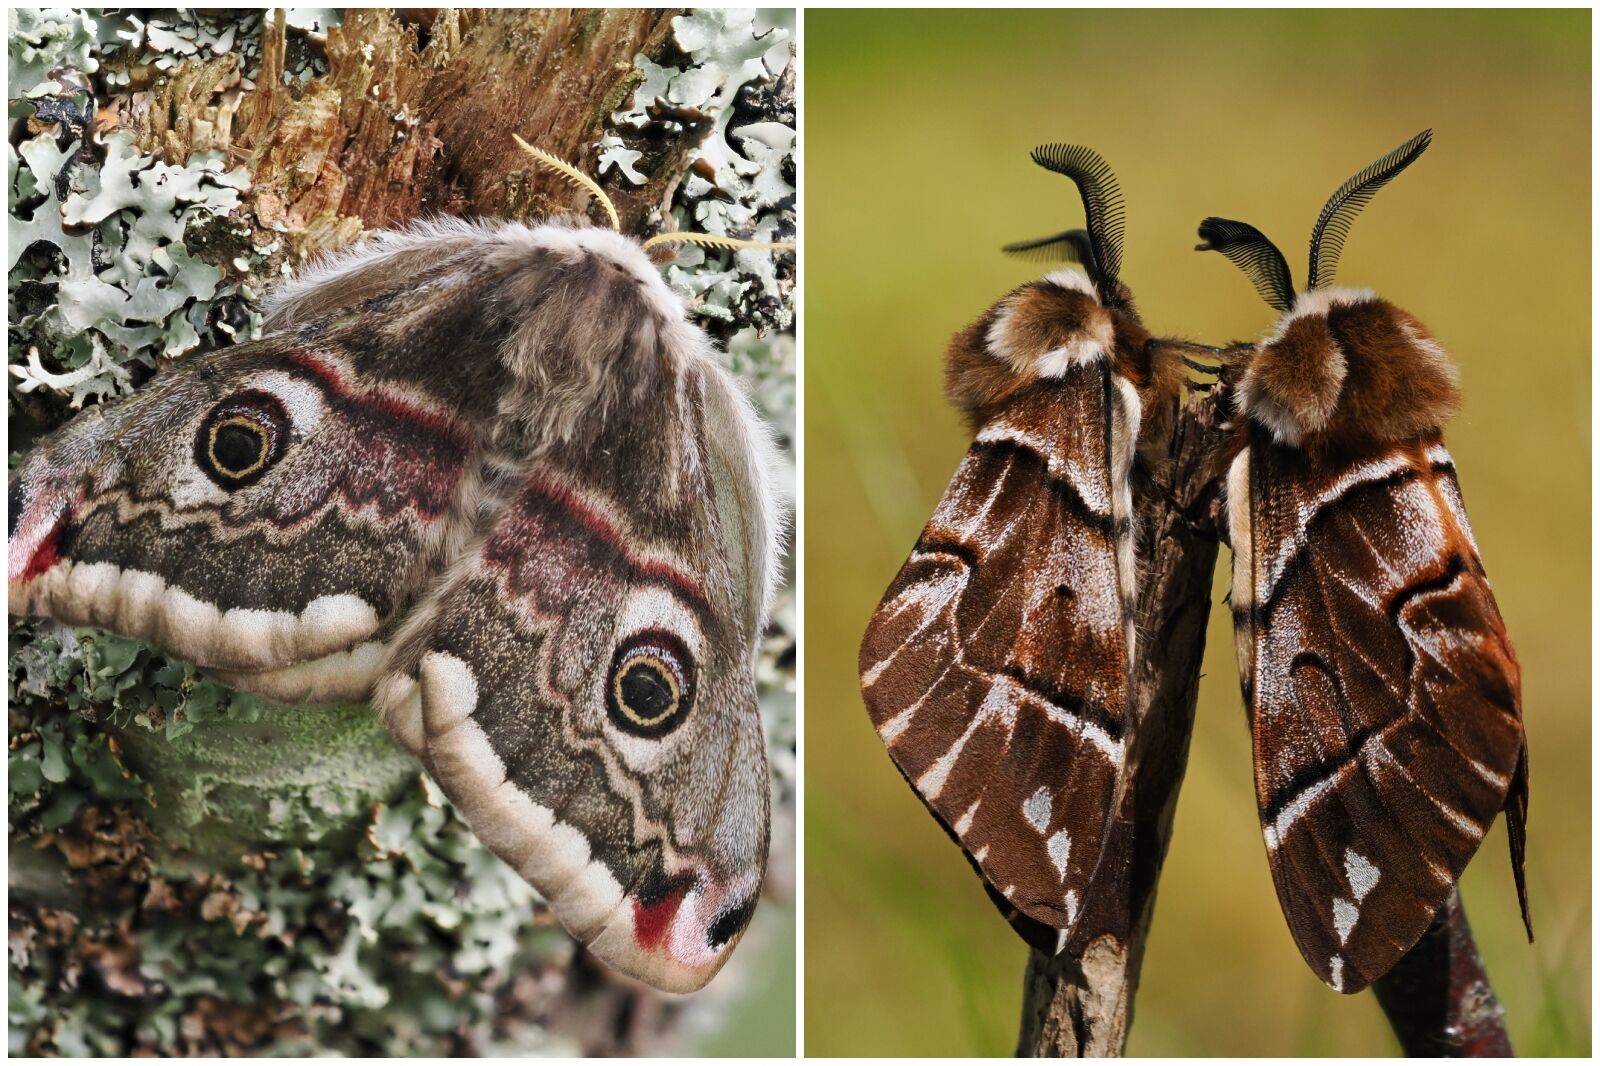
(1102, 208)
(1250, 250)
(1073, 246)
(577, 177)
(716, 240)
(1333, 225)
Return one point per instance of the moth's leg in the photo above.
(1228, 355)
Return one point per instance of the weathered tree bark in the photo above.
(415, 118)
(1080, 1003)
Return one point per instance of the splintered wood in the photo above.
(414, 117)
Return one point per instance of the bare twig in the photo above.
(1081, 1001)
(1437, 997)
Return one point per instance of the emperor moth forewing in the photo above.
(996, 668)
(488, 476)
(1382, 690)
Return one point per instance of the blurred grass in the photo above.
(918, 125)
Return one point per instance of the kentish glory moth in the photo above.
(1382, 690)
(996, 668)
(487, 476)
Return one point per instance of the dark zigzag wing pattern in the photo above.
(1383, 695)
(120, 530)
(996, 667)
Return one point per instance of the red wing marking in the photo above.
(380, 399)
(652, 921)
(527, 530)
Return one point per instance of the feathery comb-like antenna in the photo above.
(577, 177)
(716, 240)
(1102, 207)
(1333, 225)
(1250, 250)
(1072, 246)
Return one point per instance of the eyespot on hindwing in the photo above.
(650, 686)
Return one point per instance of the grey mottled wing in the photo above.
(581, 687)
(342, 484)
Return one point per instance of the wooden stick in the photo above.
(1081, 1001)
(1438, 998)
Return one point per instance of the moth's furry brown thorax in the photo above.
(1039, 329)
(1346, 369)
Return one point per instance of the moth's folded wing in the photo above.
(132, 519)
(582, 688)
(1385, 704)
(996, 667)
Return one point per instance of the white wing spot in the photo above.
(1295, 810)
(1344, 918)
(1361, 874)
(1037, 809)
(1336, 964)
(890, 731)
(1059, 847)
(965, 821)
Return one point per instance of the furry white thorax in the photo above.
(1075, 280)
(1319, 302)
(1250, 400)
(285, 302)
(1085, 348)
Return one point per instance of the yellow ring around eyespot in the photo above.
(247, 423)
(662, 668)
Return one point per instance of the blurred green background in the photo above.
(918, 126)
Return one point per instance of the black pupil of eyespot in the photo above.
(238, 447)
(646, 692)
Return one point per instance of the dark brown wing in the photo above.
(1383, 695)
(996, 667)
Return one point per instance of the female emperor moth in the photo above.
(1382, 690)
(488, 477)
(996, 668)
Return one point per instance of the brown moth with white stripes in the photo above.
(489, 477)
(1382, 690)
(996, 667)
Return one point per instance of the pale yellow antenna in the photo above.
(715, 240)
(577, 177)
